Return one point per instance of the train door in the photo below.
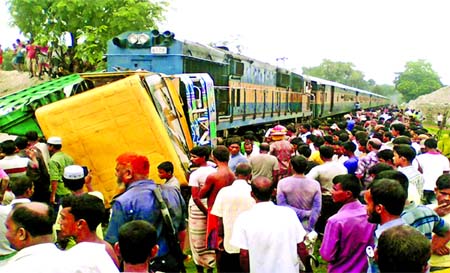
(201, 107)
(323, 100)
(332, 99)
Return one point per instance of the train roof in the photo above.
(342, 86)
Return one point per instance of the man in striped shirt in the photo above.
(13, 164)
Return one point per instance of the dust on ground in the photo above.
(13, 81)
(433, 103)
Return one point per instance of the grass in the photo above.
(322, 268)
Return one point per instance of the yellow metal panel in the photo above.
(98, 125)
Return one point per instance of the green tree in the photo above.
(418, 79)
(384, 89)
(341, 72)
(88, 24)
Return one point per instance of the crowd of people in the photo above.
(30, 57)
(372, 188)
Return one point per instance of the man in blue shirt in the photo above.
(352, 162)
(235, 153)
(138, 202)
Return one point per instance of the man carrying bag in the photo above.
(174, 260)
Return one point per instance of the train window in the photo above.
(282, 79)
(237, 68)
(296, 82)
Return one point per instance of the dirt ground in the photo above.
(13, 81)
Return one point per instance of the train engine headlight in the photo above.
(143, 39)
(133, 38)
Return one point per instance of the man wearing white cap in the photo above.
(58, 161)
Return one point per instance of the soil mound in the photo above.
(433, 103)
(13, 81)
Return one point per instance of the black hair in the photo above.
(360, 135)
(349, 182)
(326, 151)
(443, 181)
(262, 193)
(402, 140)
(166, 166)
(318, 141)
(389, 193)
(400, 127)
(296, 141)
(406, 151)
(374, 144)
(221, 153)
(32, 135)
(328, 139)
(431, 143)
(349, 146)
(87, 207)
(20, 185)
(397, 176)
(37, 224)
(233, 140)
(243, 169)
(304, 150)
(403, 249)
(306, 126)
(21, 142)
(136, 240)
(9, 147)
(343, 137)
(201, 151)
(299, 164)
(379, 167)
(386, 154)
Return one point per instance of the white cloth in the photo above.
(41, 258)
(230, 202)
(15, 165)
(304, 136)
(198, 178)
(44, 150)
(89, 257)
(173, 182)
(270, 233)
(416, 182)
(433, 165)
(325, 173)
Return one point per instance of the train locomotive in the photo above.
(247, 92)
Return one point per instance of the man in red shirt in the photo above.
(31, 57)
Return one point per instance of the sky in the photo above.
(378, 37)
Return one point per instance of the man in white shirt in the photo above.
(29, 230)
(433, 164)
(23, 190)
(324, 174)
(404, 154)
(80, 216)
(268, 235)
(230, 202)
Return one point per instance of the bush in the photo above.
(7, 60)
